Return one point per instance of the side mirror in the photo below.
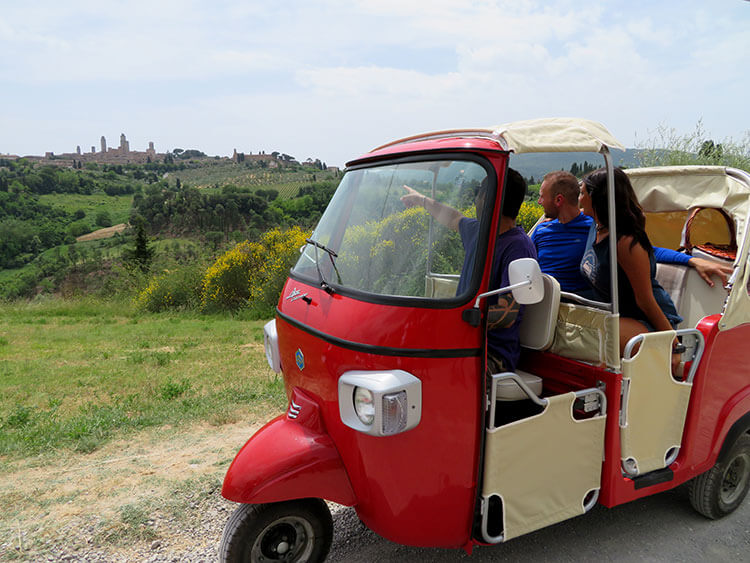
(526, 283)
(526, 280)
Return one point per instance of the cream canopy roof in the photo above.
(680, 188)
(557, 134)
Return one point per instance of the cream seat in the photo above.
(509, 390)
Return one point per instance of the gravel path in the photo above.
(156, 498)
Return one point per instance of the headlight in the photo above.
(380, 403)
(364, 405)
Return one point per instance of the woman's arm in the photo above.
(705, 268)
(634, 261)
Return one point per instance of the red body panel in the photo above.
(287, 459)
(426, 475)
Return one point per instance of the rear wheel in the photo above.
(721, 489)
(296, 531)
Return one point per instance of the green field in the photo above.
(285, 181)
(118, 206)
(76, 373)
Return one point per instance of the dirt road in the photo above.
(156, 497)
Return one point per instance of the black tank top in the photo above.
(595, 268)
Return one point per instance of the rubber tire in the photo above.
(249, 520)
(706, 489)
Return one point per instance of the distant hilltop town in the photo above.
(123, 155)
(107, 155)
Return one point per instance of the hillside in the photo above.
(537, 165)
(49, 214)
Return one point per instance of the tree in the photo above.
(142, 253)
(711, 152)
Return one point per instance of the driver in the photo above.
(504, 314)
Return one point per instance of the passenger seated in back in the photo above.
(561, 241)
(636, 266)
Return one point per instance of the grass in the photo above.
(76, 373)
(118, 206)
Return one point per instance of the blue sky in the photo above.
(331, 79)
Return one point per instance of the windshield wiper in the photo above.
(331, 254)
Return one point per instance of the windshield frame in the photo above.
(482, 242)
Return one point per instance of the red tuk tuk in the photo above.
(384, 361)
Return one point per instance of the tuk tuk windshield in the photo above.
(369, 241)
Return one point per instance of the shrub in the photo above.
(103, 219)
(170, 389)
(179, 287)
(281, 250)
(79, 228)
(528, 215)
(226, 283)
(252, 272)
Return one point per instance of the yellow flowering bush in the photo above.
(225, 283)
(529, 214)
(280, 252)
(252, 272)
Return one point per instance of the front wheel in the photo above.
(721, 489)
(296, 530)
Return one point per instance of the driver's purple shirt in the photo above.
(511, 245)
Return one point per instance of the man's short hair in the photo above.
(563, 183)
(513, 194)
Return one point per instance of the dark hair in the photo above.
(563, 183)
(513, 194)
(629, 217)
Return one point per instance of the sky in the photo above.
(332, 79)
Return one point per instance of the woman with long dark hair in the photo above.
(640, 311)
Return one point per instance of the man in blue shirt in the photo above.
(561, 241)
(504, 313)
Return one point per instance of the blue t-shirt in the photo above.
(512, 244)
(560, 247)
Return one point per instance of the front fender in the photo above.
(290, 457)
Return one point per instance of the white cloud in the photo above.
(340, 76)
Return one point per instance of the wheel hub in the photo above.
(286, 539)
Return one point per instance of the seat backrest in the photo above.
(588, 334)
(539, 320)
(692, 296)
